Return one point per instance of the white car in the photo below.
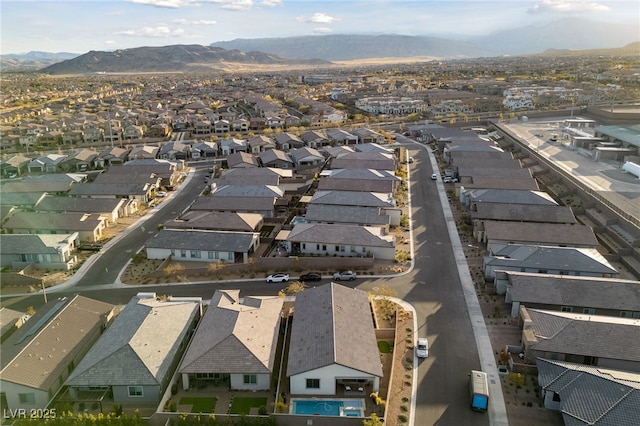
(161, 193)
(278, 278)
(434, 176)
(422, 348)
(344, 275)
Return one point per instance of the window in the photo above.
(566, 309)
(173, 252)
(195, 254)
(135, 391)
(589, 311)
(630, 314)
(313, 383)
(183, 253)
(250, 379)
(27, 398)
(230, 256)
(210, 255)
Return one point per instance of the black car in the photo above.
(311, 276)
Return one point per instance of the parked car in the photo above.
(411, 159)
(434, 176)
(311, 276)
(344, 276)
(450, 179)
(278, 278)
(422, 348)
(161, 193)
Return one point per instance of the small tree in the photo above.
(374, 420)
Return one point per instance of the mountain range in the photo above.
(557, 36)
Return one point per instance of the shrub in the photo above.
(402, 418)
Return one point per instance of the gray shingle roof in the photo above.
(139, 347)
(541, 233)
(223, 221)
(523, 212)
(235, 336)
(54, 221)
(80, 205)
(240, 204)
(33, 243)
(346, 214)
(332, 324)
(354, 198)
(511, 196)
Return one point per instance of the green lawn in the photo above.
(243, 405)
(200, 405)
(384, 346)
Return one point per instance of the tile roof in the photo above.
(523, 212)
(235, 335)
(346, 214)
(591, 395)
(35, 243)
(49, 221)
(139, 347)
(541, 233)
(80, 205)
(202, 240)
(589, 335)
(332, 324)
(593, 292)
(41, 350)
(223, 221)
(355, 235)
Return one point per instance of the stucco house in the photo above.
(136, 356)
(333, 342)
(340, 240)
(47, 251)
(236, 341)
(89, 227)
(202, 246)
(40, 355)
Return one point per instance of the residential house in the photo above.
(359, 180)
(202, 127)
(340, 240)
(80, 161)
(111, 156)
(507, 212)
(14, 166)
(338, 151)
(587, 295)
(315, 139)
(288, 141)
(599, 341)
(531, 233)
(368, 136)
(10, 321)
(333, 342)
(136, 356)
(139, 193)
(365, 160)
(90, 227)
(586, 262)
(253, 176)
(111, 209)
(39, 356)
(91, 132)
(32, 185)
(504, 196)
(354, 198)
(354, 215)
(47, 251)
(260, 143)
(306, 156)
(218, 221)
(222, 127)
(142, 152)
(236, 341)
(203, 150)
(264, 206)
(276, 158)
(240, 160)
(133, 132)
(46, 164)
(266, 191)
(342, 137)
(374, 148)
(202, 246)
(587, 395)
(158, 130)
(232, 145)
(175, 150)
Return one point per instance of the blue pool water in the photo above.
(328, 407)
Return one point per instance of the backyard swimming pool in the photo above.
(328, 407)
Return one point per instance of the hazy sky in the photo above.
(78, 26)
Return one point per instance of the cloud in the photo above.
(159, 31)
(238, 5)
(269, 3)
(171, 4)
(322, 18)
(110, 42)
(322, 30)
(203, 22)
(567, 6)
